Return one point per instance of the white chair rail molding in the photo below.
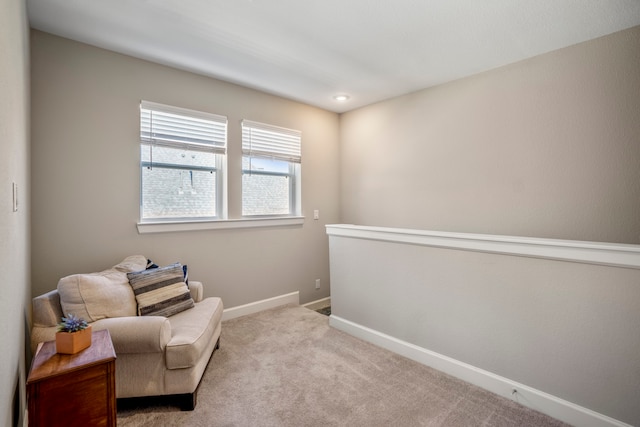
(549, 323)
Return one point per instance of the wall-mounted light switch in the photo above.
(316, 214)
(15, 197)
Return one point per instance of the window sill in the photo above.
(172, 226)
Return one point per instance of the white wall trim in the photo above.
(172, 226)
(525, 395)
(613, 254)
(257, 306)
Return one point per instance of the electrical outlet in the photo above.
(316, 214)
(317, 283)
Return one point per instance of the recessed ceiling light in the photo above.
(341, 98)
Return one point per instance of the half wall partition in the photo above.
(553, 324)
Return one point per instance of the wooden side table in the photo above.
(73, 390)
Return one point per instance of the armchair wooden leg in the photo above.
(188, 401)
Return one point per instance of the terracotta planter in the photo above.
(73, 342)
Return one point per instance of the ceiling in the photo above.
(312, 50)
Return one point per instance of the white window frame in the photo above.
(261, 140)
(215, 141)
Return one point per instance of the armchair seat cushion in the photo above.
(191, 333)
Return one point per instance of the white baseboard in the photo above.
(319, 303)
(535, 399)
(265, 304)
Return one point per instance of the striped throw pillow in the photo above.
(151, 264)
(161, 291)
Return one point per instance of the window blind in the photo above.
(263, 140)
(175, 127)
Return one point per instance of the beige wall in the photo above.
(547, 147)
(14, 226)
(86, 177)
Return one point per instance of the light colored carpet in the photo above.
(287, 367)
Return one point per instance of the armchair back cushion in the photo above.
(101, 295)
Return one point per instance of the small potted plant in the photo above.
(74, 335)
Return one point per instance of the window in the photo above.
(270, 170)
(182, 162)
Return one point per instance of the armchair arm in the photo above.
(41, 334)
(196, 290)
(136, 334)
(46, 309)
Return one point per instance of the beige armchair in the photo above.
(156, 355)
